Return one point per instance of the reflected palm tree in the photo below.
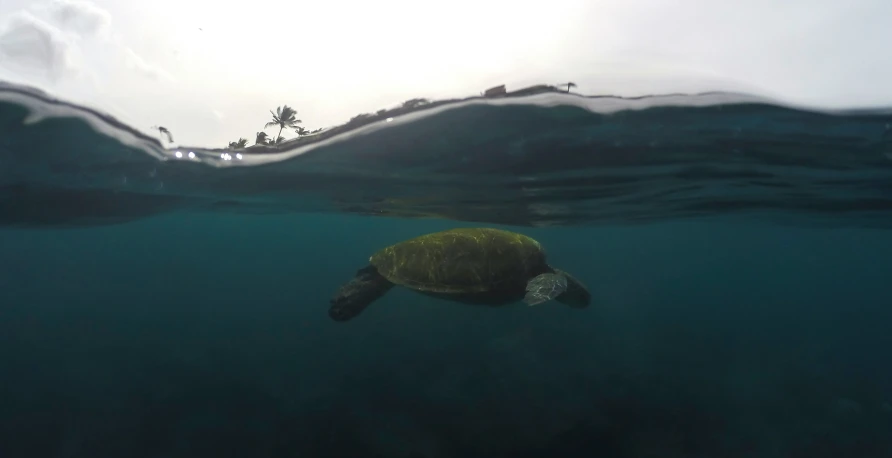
(241, 143)
(284, 116)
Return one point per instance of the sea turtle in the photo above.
(470, 265)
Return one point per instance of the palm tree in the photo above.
(300, 130)
(283, 117)
(569, 85)
(262, 139)
(241, 143)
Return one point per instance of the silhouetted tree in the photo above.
(283, 117)
(569, 85)
(300, 130)
(413, 103)
(241, 143)
(359, 118)
(262, 139)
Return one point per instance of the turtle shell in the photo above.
(459, 261)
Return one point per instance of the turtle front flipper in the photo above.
(544, 287)
(354, 296)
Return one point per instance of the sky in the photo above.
(210, 72)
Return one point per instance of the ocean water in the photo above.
(162, 304)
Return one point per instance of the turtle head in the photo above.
(354, 296)
(576, 295)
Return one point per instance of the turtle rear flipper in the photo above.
(354, 296)
(544, 287)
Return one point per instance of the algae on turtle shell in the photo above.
(483, 266)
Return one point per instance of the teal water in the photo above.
(740, 307)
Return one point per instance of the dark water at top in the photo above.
(738, 255)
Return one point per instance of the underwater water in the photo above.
(738, 254)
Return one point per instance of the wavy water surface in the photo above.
(534, 158)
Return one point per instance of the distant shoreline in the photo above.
(364, 119)
(360, 120)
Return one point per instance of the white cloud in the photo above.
(135, 62)
(31, 46)
(46, 43)
(82, 17)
